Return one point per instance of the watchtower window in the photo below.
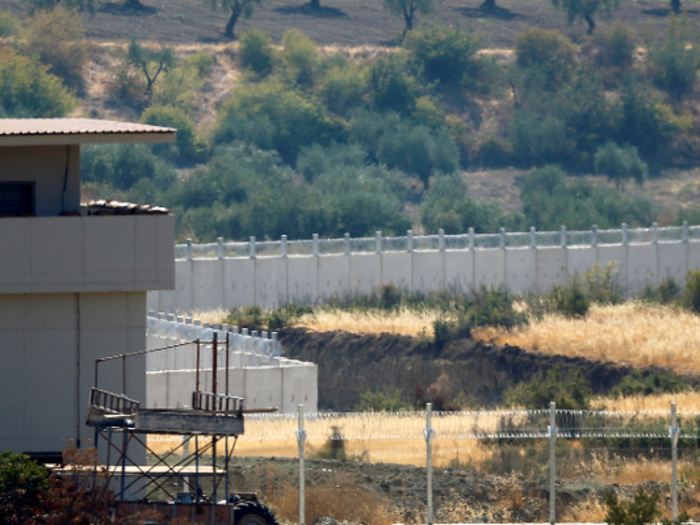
(16, 198)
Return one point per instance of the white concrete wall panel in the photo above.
(180, 299)
(613, 254)
(107, 260)
(428, 271)
(551, 268)
(521, 270)
(579, 259)
(365, 273)
(641, 266)
(207, 284)
(693, 256)
(396, 269)
(239, 282)
(459, 270)
(263, 388)
(270, 281)
(333, 276)
(673, 260)
(299, 386)
(302, 279)
(57, 253)
(489, 268)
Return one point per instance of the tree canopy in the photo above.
(409, 9)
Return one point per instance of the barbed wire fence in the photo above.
(665, 427)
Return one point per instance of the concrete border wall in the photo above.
(269, 281)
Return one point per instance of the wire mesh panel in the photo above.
(363, 245)
(305, 247)
(694, 233)
(487, 240)
(579, 238)
(394, 244)
(609, 237)
(456, 242)
(205, 251)
(426, 242)
(640, 236)
(236, 249)
(180, 252)
(548, 239)
(670, 234)
(518, 240)
(331, 246)
(268, 248)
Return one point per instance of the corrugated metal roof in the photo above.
(74, 126)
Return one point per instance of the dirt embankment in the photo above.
(350, 364)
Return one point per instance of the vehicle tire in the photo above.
(253, 513)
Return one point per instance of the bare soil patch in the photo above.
(345, 22)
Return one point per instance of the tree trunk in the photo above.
(591, 23)
(488, 4)
(315, 4)
(235, 13)
(676, 6)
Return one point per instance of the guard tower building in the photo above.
(73, 280)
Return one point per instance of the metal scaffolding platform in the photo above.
(121, 425)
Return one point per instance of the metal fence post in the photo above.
(594, 236)
(378, 242)
(301, 440)
(562, 235)
(252, 247)
(188, 248)
(315, 240)
(533, 237)
(655, 233)
(284, 245)
(673, 434)
(685, 231)
(220, 248)
(502, 238)
(471, 238)
(409, 241)
(429, 434)
(346, 240)
(552, 462)
(441, 240)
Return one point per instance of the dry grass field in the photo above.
(632, 333)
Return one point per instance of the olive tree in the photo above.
(409, 9)
(585, 9)
(238, 8)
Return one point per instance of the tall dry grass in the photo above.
(400, 322)
(688, 401)
(632, 333)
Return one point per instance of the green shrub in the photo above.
(27, 90)
(668, 291)
(449, 56)
(620, 163)
(602, 284)
(539, 139)
(257, 52)
(286, 315)
(300, 60)
(315, 160)
(548, 52)
(58, 39)
(642, 510)
(121, 166)
(381, 402)
(333, 448)
(392, 87)
(9, 24)
(190, 148)
(570, 299)
(22, 485)
(675, 60)
(344, 87)
(613, 47)
(571, 391)
(178, 87)
(655, 381)
(272, 116)
(203, 62)
(691, 294)
(449, 206)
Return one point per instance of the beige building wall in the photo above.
(46, 166)
(48, 347)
